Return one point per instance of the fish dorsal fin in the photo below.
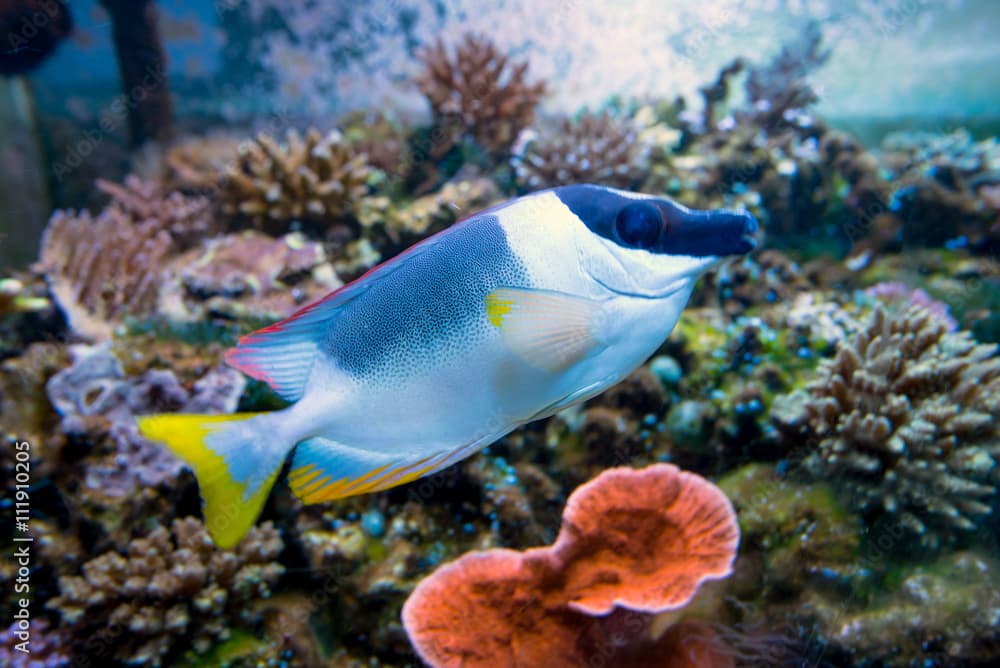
(323, 470)
(282, 354)
(550, 330)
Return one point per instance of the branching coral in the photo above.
(906, 419)
(188, 220)
(170, 590)
(640, 541)
(597, 148)
(314, 179)
(102, 269)
(478, 93)
(198, 164)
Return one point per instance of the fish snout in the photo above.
(718, 232)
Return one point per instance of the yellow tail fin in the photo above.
(235, 459)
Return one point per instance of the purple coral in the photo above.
(96, 385)
(42, 648)
(897, 292)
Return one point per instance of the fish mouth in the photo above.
(720, 232)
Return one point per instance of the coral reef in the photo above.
(119, 475)
(904, 421)
(318, 179)
(631, 540)
(477, 93)
(39, 648)
(170, 590)
(105, 268)
(596, 148)
(198, 165)
(940, 614)
(247, 277)
(102, 269)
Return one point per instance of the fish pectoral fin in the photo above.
(550, 330)
(323, 470)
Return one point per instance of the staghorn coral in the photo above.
(633, 543)
(317, 179)
(479, 93)
(170, 590)
(906, 420)
(596, 148)
(101, 269)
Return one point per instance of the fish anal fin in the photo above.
(324, 470)
(550, 330)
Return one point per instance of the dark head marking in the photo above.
(660, 225)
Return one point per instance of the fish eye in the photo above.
(639, 225)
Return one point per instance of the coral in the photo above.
(940, 194)
(31, 29)
(780, 87)
(169, 590)
(383, 140)
(388, 229)
(247, 276)
(800, 531)
(596, 148)
(39, 647)
(197, 165)
(95, 393)
(318, 179)
(941, 614)
(479, 93)
(188, 219)
(896, 292)
(101, 269)
(640, 541)
(905, 418)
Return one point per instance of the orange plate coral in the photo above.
(640, 541)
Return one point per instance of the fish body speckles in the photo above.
(508, 316)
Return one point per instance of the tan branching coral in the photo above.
(479, 93)
(187, 219)
(173, 589)
(597, 148)
(906, 415)
(100, 269)
(198, 164)
(314, 179)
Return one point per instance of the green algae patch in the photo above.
(779, 515)
(239, 647)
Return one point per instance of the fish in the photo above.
(506, 317)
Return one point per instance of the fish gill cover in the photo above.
(838, 385)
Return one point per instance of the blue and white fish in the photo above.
(506, 317)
